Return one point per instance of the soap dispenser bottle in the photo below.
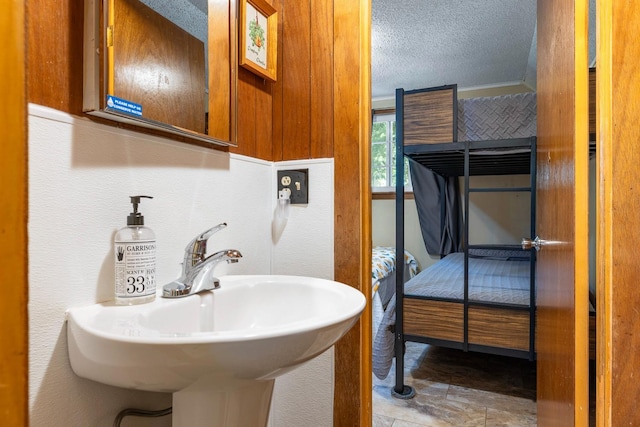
(135, 260)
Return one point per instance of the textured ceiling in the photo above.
(190, 15)
(425, 43)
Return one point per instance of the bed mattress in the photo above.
(495, 279)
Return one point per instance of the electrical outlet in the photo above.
(297, 181)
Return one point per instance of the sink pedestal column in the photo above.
(207, 403)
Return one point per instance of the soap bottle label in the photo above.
(135, 268)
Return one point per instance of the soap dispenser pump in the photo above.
(135, 260)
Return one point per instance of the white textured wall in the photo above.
(499, 218)
(383, 229)
(81, 175)
(304, 397)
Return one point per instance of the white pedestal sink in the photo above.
(218, 352)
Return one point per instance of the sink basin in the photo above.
(218, 352)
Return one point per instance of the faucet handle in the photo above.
(197, 248)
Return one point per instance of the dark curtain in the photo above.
(439, 210)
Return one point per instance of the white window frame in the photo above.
(390, 187)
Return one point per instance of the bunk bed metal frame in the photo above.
(457, 159)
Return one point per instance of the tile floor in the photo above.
(457, 389)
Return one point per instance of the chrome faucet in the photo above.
(197, 265)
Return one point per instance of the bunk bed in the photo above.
(481, 297)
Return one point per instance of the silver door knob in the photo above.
(530, 244)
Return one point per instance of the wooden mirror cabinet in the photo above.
(170, 68)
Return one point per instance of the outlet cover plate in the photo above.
(297, 181)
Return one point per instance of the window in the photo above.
(383, 154)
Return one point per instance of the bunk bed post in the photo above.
(465, 342)
(401, 390)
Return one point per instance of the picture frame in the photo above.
(259, 38)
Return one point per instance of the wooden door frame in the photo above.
(604, 192)
(618, 204)
(352, 229)
(13, 218)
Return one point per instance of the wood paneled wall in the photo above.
(13, 218)
(292, 118)
(289, 119)
(55, 34)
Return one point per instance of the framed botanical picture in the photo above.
(259, 38)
